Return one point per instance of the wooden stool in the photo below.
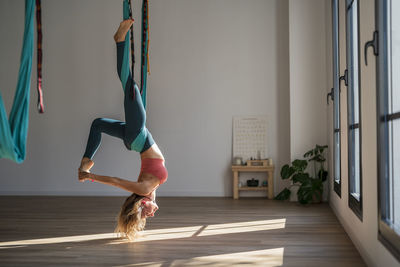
(239, 168)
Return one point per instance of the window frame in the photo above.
(336, 98)
(354, 203)
(386, 235)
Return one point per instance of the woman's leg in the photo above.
(135, 114)
(112, 127)
(122, 42)
(101, 125)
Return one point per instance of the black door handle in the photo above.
(374, 44)
(344, 77)
(329, 95)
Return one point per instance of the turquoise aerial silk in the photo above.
(125, 61)
(140, 139)
(14, 131)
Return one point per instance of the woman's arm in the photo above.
(143, 188)
(152, 195)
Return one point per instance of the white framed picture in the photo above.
(250, 137)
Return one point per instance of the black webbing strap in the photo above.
(145, 46)
(40, 105)
(132, 93)
(132, 40)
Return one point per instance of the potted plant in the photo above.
(310, 187)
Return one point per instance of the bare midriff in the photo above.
(153, 153)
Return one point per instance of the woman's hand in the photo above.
(148, 208)
(84, 176)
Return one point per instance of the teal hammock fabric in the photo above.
(14, 131)
(138, 144)
(144, 52)
(139, 141)
(125, 61)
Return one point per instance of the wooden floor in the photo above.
(77, 231)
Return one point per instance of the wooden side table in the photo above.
(239, 168)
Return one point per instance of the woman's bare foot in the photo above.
(123, 29)
(86, 164)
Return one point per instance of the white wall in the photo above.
(307, 75)
(209, 60)
(364, 234)
(308, 78)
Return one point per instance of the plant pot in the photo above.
(317, 198)
(293, 189)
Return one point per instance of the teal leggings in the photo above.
(133, 131)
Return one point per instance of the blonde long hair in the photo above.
(129, 221)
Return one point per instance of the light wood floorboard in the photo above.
(41, 231)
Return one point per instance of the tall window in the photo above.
(388, 114)
(336, 97)
(353, 106)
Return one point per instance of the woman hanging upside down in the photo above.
(141, 204)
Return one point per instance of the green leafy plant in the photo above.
(310, 187)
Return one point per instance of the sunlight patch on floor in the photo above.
(243, 227)
(13, 247)
(56, 240)
(266, 257)
(160, 234)
(213, 229)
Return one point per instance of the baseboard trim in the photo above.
(108, 193)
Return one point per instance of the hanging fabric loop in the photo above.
(14, 130)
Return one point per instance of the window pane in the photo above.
(354, 155)
(395, 60)
(395, 173)
(336, 93)
(352, 64)
(353, 98)
(336, 109)
(357, 163)
(388, 26)
(355, 86)
(384, 161)
(337, 157)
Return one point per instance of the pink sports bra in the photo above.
(155, 167)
